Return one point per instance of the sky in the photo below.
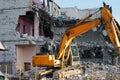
(84, 4)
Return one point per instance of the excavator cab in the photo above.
(74, 58)
(2, 78)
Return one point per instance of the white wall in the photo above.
(85, 12)
(75, 13)
(71, 13)
(54, 9)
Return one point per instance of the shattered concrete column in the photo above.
(36, 27)
(115, 59)
(119, 59)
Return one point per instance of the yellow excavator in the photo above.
(67, 62)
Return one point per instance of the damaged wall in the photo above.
(9, 14)
(10, 11)
(54, 9)
(75, 13)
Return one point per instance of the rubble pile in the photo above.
(90, 72)
(102, 72)
(97, 72)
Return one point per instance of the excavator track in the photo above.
(70, 72)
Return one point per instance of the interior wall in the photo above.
(25, 54)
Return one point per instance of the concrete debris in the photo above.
(102, 72)
(98, 73)
(66, 73)
(91, 72)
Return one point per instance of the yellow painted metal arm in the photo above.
(116, 27)
(75, 31)
(111, 27)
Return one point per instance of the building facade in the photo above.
(21, 30)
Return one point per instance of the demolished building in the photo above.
(23, 33)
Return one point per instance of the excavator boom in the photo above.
(111, 28)
(75, 31)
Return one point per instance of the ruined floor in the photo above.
(103, 72)
(91, 72)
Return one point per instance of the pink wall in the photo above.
(25, 53)
(28, 25)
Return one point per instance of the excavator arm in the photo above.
(75, 31)
(106, 19)
(111, 28)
